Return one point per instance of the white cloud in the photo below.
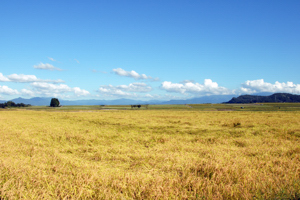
(133, 74)
(173, 87)
(51, 87)
(61, 90)
(187, 81)
(80, 92)
(113, 92)
(8, 91)
(149, 96)
(52, 59)
(26, 92)
(124, 90)
(46, 66)
(260, 85)
(164, 97)
(133, 90)
(208, 88)
(3, 78)
(77, 61)
(21, 78)
(135, 87)
(97, 71)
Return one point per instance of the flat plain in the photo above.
(164, 152)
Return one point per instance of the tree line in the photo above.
(11, 104)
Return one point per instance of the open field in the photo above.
(198, 107)
(175, 152)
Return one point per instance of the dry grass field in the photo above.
(149, 154)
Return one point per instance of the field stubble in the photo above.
(149, 154)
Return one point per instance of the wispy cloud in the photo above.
(46, 66)
(132, 87)
(97, 71)
(133, 74)
(164, 96)
(22, 78)
(52, 59)
(188, 81)
(77, 61)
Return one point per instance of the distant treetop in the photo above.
(11, 104)
(54, 102)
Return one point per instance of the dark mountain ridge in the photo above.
(274, 98)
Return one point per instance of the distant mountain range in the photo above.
(277, 97)
(45, 101)
(200, 100)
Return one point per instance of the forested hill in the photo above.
(277, 97)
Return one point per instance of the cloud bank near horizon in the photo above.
(44, 89)
(212, 88)
(260, 85)
(54, 90)
(124, 90)
(208, 88)
(183, 89)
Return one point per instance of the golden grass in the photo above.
(149, 154)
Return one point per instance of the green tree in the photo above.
(10, 104)
(54, 102)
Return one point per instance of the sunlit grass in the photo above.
(149, 154)
(195, 107)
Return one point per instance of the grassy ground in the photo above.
(177, 153)
(198, 107)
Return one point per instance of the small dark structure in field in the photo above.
(134, 106)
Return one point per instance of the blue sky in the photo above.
(148, 49)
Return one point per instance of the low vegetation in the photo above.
(181, 153)
(11, 104)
